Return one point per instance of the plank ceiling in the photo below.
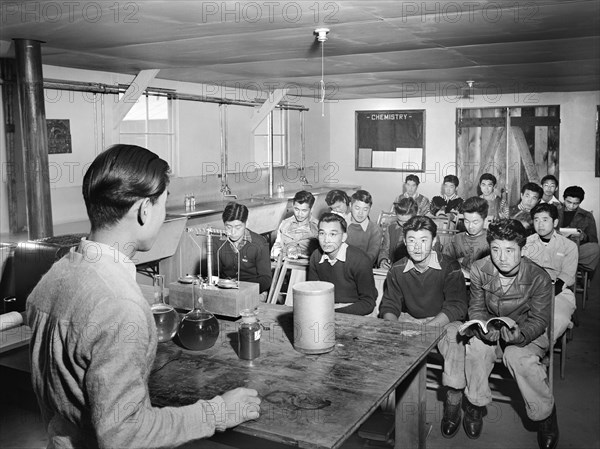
(374, 49)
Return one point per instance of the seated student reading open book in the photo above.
(495, 322)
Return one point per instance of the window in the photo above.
(280, 132)
(149, 124)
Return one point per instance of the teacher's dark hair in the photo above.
(235, 211)
(118, 177)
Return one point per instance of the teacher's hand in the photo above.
(241, 404)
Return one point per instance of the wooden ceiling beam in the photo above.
(272, 101)
(133, 93)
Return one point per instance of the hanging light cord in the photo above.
(322, 81)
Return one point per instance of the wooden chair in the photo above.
(299, 269)
(385, 219)
(582, 277)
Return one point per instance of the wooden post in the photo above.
(34, 136)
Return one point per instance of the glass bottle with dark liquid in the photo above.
(166, 317)
(199, 329)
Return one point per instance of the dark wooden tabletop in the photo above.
(307, 400)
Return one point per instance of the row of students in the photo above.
(428, 287)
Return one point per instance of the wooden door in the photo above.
(527, 154)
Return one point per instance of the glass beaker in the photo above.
(199, 328)
(166, 317)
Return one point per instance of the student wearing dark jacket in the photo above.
(506, 284)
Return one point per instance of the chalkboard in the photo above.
(390, 140)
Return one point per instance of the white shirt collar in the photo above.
(364, 224)
(94, 251)
(433, 263)
(341, 255)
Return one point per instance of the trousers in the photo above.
(452, 349)
(524, 364)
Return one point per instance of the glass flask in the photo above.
(166, 317)
(249, 336)
(199, 328)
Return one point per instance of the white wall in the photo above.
(577, 141)
(197, 142)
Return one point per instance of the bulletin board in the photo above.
(390, 140)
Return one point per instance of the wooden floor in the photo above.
(577, 399)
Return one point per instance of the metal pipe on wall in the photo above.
(35, 137)
(270, 151)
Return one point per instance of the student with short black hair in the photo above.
(362, 232)
(429, 288)
(549, 185)
(574, 216)
(393, 247)
(449, 202)
(339, 203)
(531, 193)
(558, 256)
(498, 208)
(506, 284)
(411, 185)
(250, 248)
(348, 268)
(471, 245)
(297, 235)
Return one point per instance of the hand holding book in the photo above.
(493, 323)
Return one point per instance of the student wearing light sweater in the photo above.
(346, 267)
(90, 380)
(467, 247)
(362, 232)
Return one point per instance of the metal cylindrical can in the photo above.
(314, 317)
(249, 336)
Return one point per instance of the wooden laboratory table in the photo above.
(308, 400)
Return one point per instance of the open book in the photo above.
(495, 322)
(568, 232)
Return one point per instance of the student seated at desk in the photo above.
(467, 247)
(348, 268)
(411, 184)
(506, 284)
(251, 248)
(362, 232)
(94, 337)
(558, 256)
(429, 288)
(339, 203)
(393, 248)
(449, 203)
(297, 235)
(530, 196)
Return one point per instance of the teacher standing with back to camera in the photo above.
(94, 338)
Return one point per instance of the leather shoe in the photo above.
(473, 420)
(548, 431)
(452, 414)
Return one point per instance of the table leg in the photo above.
(411, 429)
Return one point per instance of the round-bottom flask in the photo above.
(199, 329)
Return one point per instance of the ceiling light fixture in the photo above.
(321, 34)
